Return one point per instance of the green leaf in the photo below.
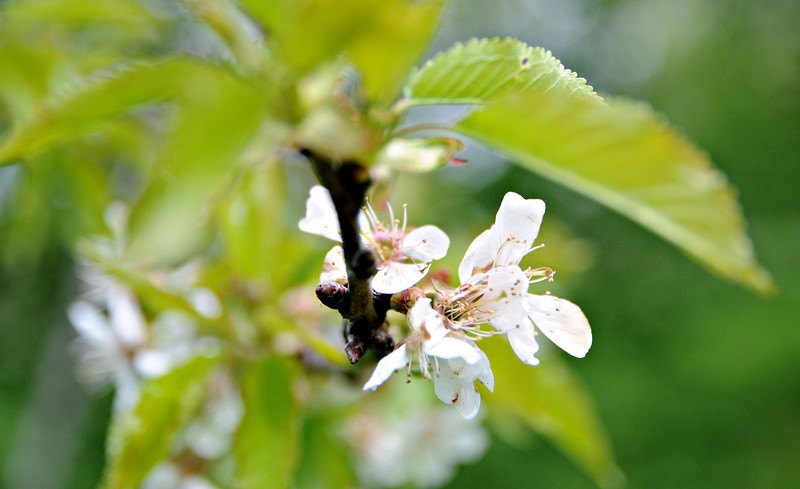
(383, 39)
(484, 70)
(266, 444)
(551, 402)
(217, 118)
(627, 158)
(97, 98)
(139, 440)
(325, 460)
(230, 25)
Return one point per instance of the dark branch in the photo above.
(363, 311)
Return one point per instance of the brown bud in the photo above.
(403, 301)
(331, 294)
(355, 349)
(381, 341)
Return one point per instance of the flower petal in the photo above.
(333, 268)
(483, 372)
(320, 218)
(516, 227)
(90, 324)
(523, 342)
(388, 365)
(452, 387)
(422, 315)
(479, 256)
(126, 317)
(396, 277)
(562, 322)
(451, 348)
(504, 300)
(425, 244)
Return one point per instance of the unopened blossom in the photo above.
(442, 355)
(505, 305)
(404, 256)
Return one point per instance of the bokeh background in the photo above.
(696, 380)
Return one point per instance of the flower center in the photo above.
(386, 244)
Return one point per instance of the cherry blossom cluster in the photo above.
(446, 323)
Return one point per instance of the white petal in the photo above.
(516, 227)
(320, 218)
(479, 255)
(451, 348)
(452, 387)
(90, 323)
(197, 482)
(126, 389)
(483, 372)
(504, 300)
(469, 401)
(523, 342)
(425, 244)
(396, 277)
(423, 317)
(562, 322)
(126, 317)
(205, 302)
(333, 268)
(388, 365)
(151, 363)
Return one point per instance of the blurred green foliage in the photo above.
(693, 378)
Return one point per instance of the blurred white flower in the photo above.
(183, 280)
(169, 475)
(173, 341)
(412, 444)
(505, 304)
(207, 439)
(115, 346)
(107, 344)
(404, 257)
(210, 435)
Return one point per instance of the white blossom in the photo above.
(210, 435)
(404, 256)
(504, 303)
(447, 353)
